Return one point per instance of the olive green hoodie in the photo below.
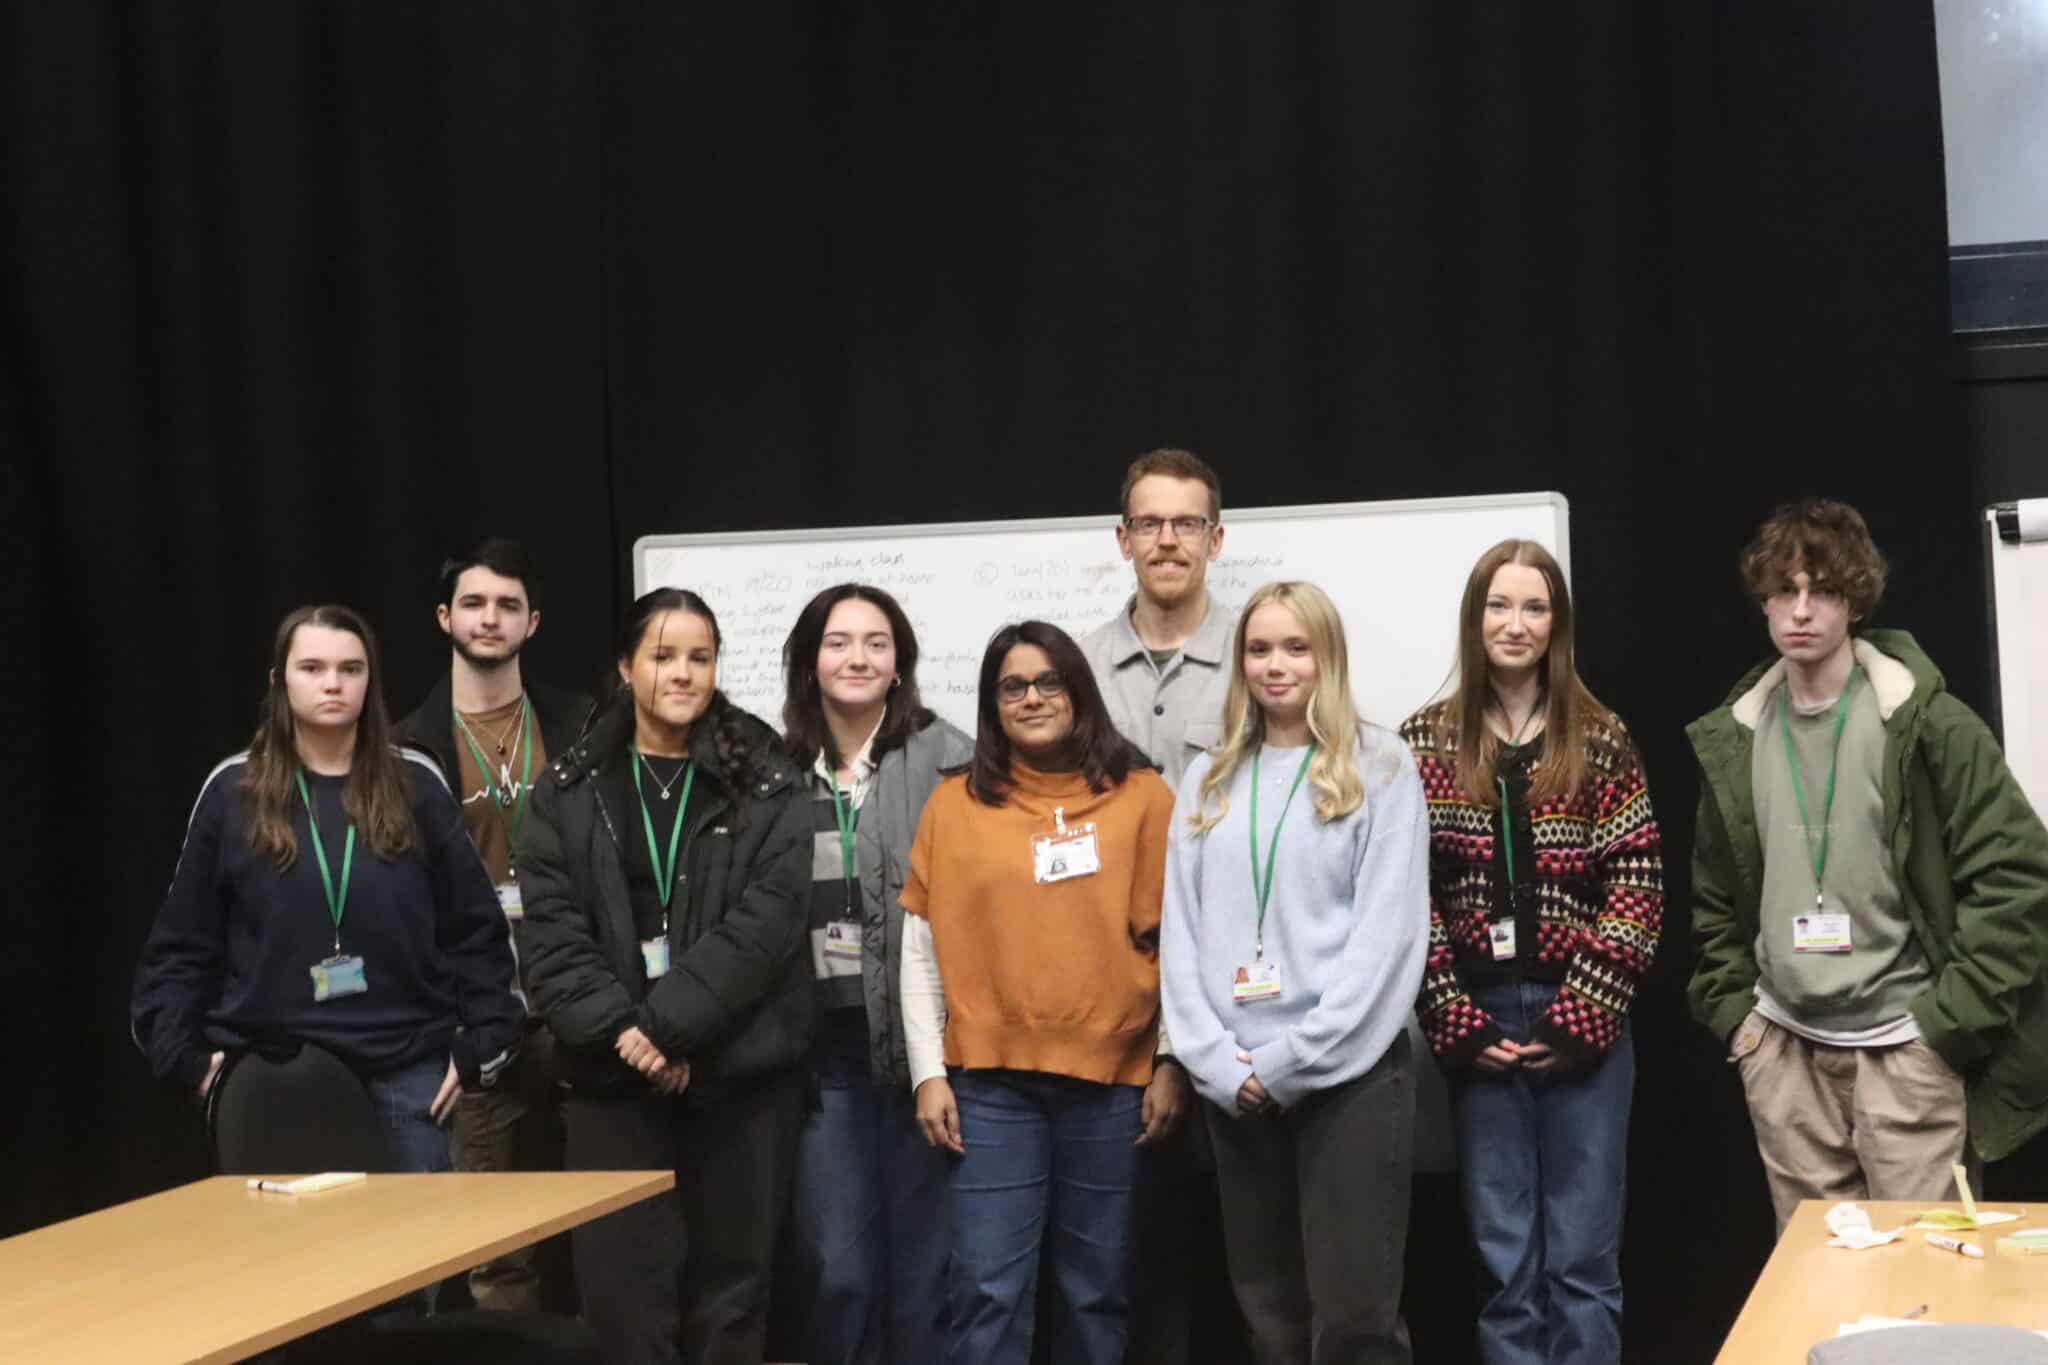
(1971, 858)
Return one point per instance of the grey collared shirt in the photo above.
(1174, 711)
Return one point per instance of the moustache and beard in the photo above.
(1191, 572)
(485, 663)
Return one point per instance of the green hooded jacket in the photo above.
(1971, 858)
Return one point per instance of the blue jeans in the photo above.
(871, 1227)
(1543, 1162)
(402, 1099)
(1050, 1161)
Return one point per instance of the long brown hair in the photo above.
(804, 730)
(1570, 710)
(374, 793)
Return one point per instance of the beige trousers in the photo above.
(1850, 1123)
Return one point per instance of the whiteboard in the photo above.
(1395, 570)
(2016, 541)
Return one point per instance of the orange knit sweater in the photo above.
(1062, 976)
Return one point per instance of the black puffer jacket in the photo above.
(737, 1002)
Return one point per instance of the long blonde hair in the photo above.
(1333, 719)
(1570, 711)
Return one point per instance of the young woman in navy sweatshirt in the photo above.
(326, 893)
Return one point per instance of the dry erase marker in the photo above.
(1935, 1239)
(307, 1184)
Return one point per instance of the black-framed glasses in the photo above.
(1012, 688)
(1184, 528)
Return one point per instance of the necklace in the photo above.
(511, 724)
(1535, 709)
(505, 793)
(498, 744)
(681, 765)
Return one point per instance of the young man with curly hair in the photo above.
(1870, 892)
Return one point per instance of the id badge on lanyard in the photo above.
(1255, 981)
(338, 976)
(1259, 979)
(1069, 851)
(1501, 935)
(1820, 930)
(835, 949)
(342, 974)
(1821, 933)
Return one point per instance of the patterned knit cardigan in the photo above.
(1599, 886)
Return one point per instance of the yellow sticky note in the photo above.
(1946, 1218)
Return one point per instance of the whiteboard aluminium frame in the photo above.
(1104, 522)
(1992, 539)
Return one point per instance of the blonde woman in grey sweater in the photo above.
(1295, 927)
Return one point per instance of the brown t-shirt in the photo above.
(502, 735)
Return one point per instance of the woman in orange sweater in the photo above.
(1031, 1000)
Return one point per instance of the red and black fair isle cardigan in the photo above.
(1598, 880)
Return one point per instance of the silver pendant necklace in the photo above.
(673, 778)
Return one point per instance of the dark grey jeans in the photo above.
(1315, 1218)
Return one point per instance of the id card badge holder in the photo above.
(1069, 851)
(509, 901)
(654, 957)
(338, 976)
(1255, 981)
(1821, 932)
(835, 949)
(1500, 935)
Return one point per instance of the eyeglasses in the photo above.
(1185, 528)
(1013, 688)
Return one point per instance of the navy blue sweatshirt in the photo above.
(226, 965)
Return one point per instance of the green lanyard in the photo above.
(1507, 838)
(337, 901)
(525, 770)
(1820, 855)
(1507, 835)
(664, 873)
(847, 816)
(1263, 886)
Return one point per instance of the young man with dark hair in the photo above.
(492, 731)
(1870, 892)
(1163, 664)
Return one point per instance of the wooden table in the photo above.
(214, 1271)
(1808, 1288)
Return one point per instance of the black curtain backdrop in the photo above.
(303, 296)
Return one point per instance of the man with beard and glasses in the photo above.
(492, 732)
(1163, 664)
